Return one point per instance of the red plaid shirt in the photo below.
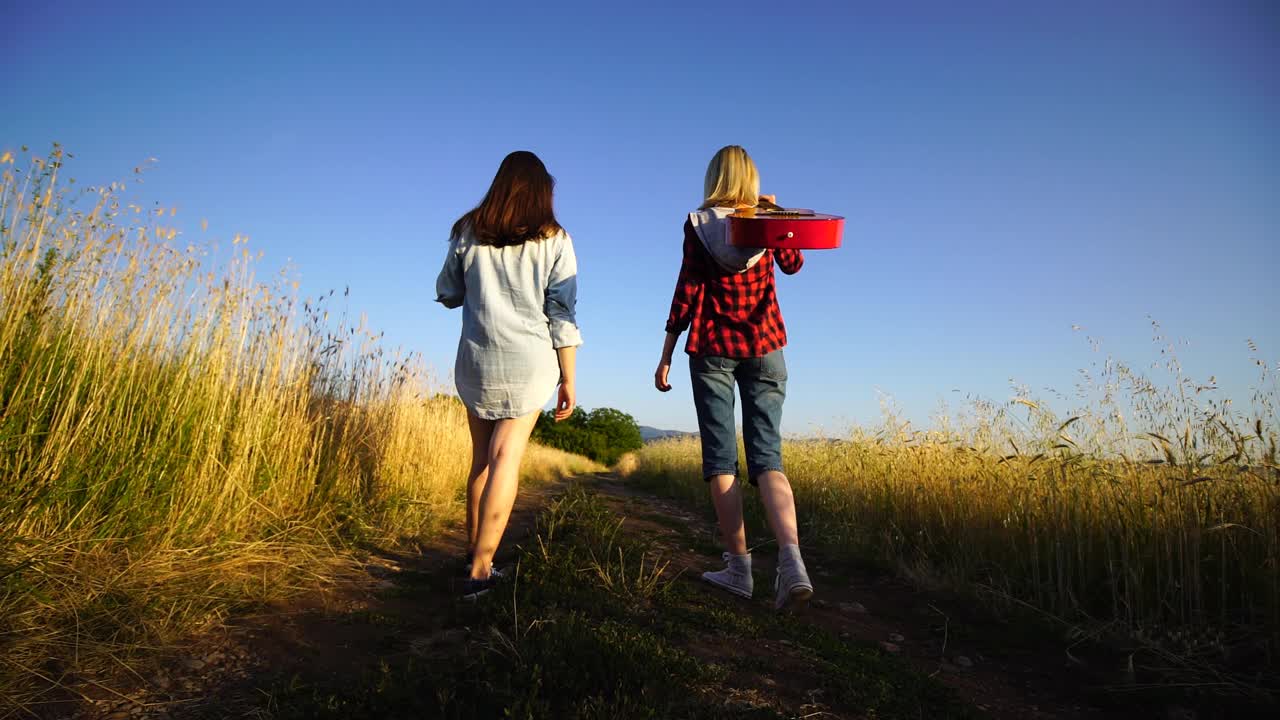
(729, 314)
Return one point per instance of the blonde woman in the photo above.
(512, 269)
(726, 297)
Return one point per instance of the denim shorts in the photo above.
(762, 382)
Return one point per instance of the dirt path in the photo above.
(973, 657)
(395, 609)
(384, 607)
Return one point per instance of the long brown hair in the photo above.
(517, 207)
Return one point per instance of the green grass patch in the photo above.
(593, 626)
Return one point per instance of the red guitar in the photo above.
(769, 226)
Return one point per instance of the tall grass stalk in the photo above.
(178, 438)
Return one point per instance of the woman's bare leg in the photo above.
(478, 476)
(726, 495)
(779, 506)
(793, 582)
(506, 448)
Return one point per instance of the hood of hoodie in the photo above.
(712, 226)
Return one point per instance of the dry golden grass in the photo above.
(627, 465)
(178, 439)
(1150, 517)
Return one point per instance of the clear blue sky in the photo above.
(1008, 169)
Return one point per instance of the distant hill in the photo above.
(649, 434)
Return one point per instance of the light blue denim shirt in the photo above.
(518, 304)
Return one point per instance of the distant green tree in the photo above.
(603, 434)
(618, 430)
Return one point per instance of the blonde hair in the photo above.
(732, 179)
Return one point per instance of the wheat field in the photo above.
(179, 437)
(1148, 517)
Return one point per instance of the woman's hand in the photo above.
(565, 401)
(660, 375)
(567, 396)
(664, 365)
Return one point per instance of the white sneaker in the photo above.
(791, 584)
(736, 577)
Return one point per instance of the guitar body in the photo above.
(781, 228)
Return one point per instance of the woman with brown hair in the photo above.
(513, 270)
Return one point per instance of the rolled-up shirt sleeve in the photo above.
(562, 297)
(450, 287)
(789, 260)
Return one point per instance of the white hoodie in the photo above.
(712, 226)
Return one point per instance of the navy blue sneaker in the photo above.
(474, 589)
